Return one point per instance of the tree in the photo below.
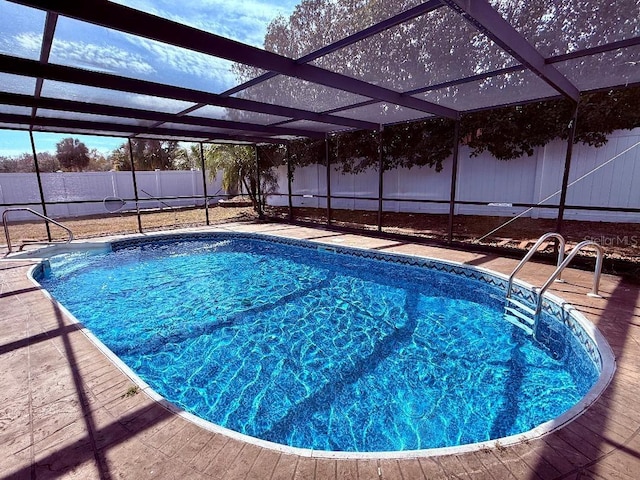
(98, 162)
(238, 166)
(24, 163)
(47, 162)
(72, 154)
(187, 157)
(441, 46)
(148, 154)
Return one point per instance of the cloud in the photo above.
(29, 41)
(245, 21)
(106, 58)
(157, 103)
(187, 62)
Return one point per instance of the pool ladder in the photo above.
(5, 224)
(527, 317)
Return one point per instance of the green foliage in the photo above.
(24, 163)
(427, 143)
(148, 154)
(72, 154)
(187, 157)
(443, 47)
(512, 132)
(238, 166)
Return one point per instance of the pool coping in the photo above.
(607, 357)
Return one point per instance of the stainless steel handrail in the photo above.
(25, 209)
(596, 276)
(533, 250)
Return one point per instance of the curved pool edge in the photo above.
(607, 357)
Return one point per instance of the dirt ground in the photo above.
(121, 223)
(619, 240)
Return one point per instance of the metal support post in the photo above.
(454, 178)
(567, 168)
(135, 185)
(380, 177)
(258, 190)
(204, 184)
(289, 179)
(328, 164)
(42, 201)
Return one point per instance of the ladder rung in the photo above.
(521, 305)
(515, 321)
(519, 314)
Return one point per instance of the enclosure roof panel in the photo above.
(272, 70)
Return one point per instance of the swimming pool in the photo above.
(333, 349)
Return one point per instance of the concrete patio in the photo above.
(66, 411)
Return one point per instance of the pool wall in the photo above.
(584, 335)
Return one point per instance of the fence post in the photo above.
(135, 185)
(42, 201)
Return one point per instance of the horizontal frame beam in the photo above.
(126, 112)
(131, 130)
(136, 22)
(32, 68)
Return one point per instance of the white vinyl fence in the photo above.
(18, 188)
(495, 184)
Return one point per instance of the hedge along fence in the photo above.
(155, 189)
(487, 186)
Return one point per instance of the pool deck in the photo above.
(66, 411)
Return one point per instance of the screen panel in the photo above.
(89, 117)
(104, 96)
(382, 113)
(493, 91)
(296, 93)
(15, 110)
(223, 113)
(556, 28)
(315, 126)
(434, 48)
(96, 48)
(615, 68)
(22, 30)
(17, 84)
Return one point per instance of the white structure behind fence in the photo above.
(482, 179)
(19, 188)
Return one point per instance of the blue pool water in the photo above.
(320, 350)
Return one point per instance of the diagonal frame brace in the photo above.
(487, 20)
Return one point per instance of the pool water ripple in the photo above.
(318, 350)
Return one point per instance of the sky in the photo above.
(96, 48)
(15, 142)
